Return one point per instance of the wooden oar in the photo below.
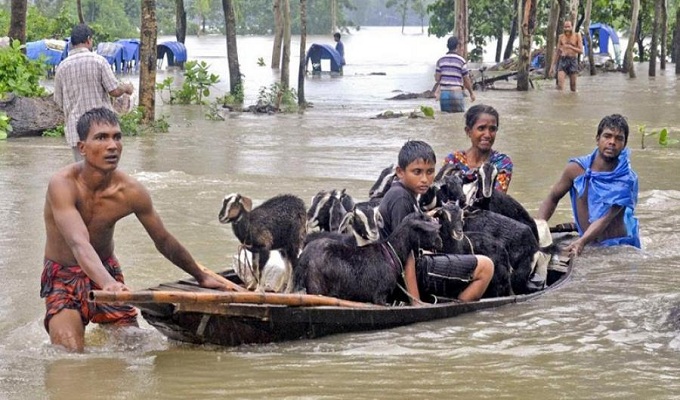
(177, 297)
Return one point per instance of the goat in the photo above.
(456, 241)
(364, 222)
(327, 210)
(370, 273)
(448, 188)
(278, 223)
(487, 198)
(517, 239)
(382, 185)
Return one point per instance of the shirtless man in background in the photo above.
(569, 46)
(83, 203)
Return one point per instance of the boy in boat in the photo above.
(83, 203)
(603, 189)
(415, 173)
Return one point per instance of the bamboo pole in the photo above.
(178, 297)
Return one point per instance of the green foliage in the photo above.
(131, 124)
(664, 140)
(427, 111)
(260, 62)
(272, 94)
(57, 131)
(5, 126)
(196, 85)
(18, 74)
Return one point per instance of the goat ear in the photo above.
(347, 220)
(247, 203)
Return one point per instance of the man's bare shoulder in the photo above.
(573, 170)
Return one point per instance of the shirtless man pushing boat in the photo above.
(83, 203)
(603, 189)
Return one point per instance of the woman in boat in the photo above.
(481, 126)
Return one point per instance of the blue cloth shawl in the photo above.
(606, 189)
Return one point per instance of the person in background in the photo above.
(569, 46)
(416, 170)
(452, 77)
(83, 81)
(340, 48)
(603, 189)
(481, 126)
(84, 202)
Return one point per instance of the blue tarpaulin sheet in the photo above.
(175, 52)
(318, 52)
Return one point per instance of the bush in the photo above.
(18, 74)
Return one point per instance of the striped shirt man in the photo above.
(452, 68)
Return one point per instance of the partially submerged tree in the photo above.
(589, 40)
(303, 61)
(628, 60)
(401, 6)
(180, 21)
(147, 61)
(528, 13)
(235, 84)
(278, 35)
(285, 62)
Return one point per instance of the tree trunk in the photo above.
(589, 40)
(551, 41)
(147, 59)
(461, 26)
(79, 6)
(573, 12)
(303, 61)
(564, 15)
(180, 21)
(631, 40)
(654, 46)
(235, 85)
(676, 42)
(285, 62)
(499, 44)
(278, 35)
(664, 33)
(334, 16)
(528, 14)
(640, 40)
(17, 24)
(512, 36)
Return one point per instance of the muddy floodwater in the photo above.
(603, 335)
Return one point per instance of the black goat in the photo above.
(487, 198)
(456, 241)
(370, 273)
(364, 222)
(278, 223)
(327, 210)
(382, 185)
(517, 239)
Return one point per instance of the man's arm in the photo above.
(69, 222)
(594, 230)
(123, 88)
(169, 246)
(467, 83)
(547, 208)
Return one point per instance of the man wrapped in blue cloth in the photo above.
(603, 189)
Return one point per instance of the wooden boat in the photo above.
(224, 321)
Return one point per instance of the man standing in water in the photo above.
(84, 80)
(340, 48)
(83, 203)
(453, 77)
(569, 46)
(603, 189)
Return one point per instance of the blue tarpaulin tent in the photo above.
(130, 53)
(35, 49)
(113, 52)
(318, 52)
(605, 34)
(175, 52)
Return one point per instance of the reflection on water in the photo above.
(604, 334)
